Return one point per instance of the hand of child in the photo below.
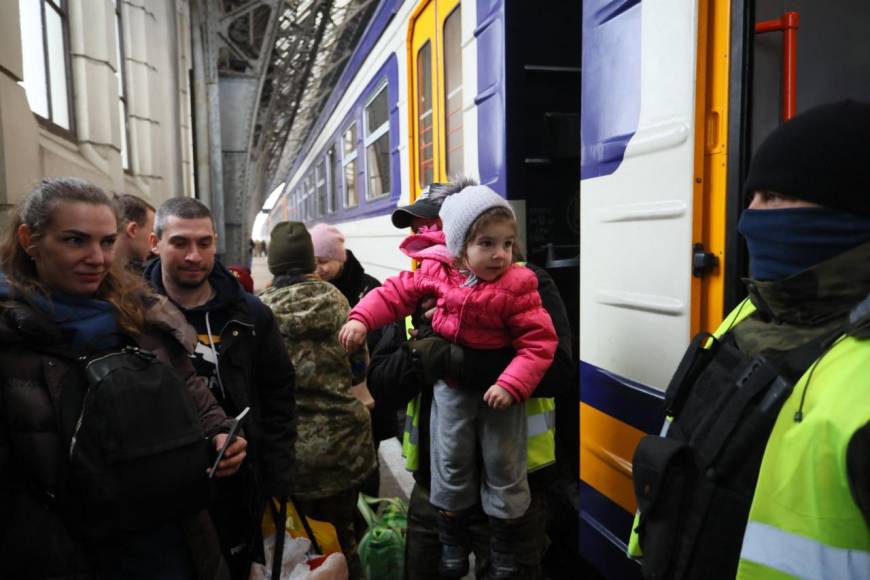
(498, 397)
(352, 335)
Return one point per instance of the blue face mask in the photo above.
(783, 242)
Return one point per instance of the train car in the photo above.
(482, 88)
(675, 95)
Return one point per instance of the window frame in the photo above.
(347, 159)
(370, 139)
(62, 9)
(122, 98)
(455, 12)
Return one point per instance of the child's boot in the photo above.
(455, 544)
(502, 551)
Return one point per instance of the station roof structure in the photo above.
(286, 55)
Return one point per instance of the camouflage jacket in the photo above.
(793, 311)
(334, 449)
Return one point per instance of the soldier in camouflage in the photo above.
(334, 449)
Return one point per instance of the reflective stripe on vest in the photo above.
(540, 445)
(801, 556)
(541, 425)
(411, 436)
(804, 519)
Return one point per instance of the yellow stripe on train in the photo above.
(606, 447)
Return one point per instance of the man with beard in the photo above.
(242, 357)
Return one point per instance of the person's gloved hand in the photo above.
(435, 357)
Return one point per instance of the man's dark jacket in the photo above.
(255, 371)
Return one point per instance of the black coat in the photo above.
(40, 395)
(255, 371)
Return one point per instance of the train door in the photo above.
(652, 132)
(435, 93)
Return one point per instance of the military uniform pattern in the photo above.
(334, 449)
(806, 305)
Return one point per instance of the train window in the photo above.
(44, 25)
(334, 176)
(453, 90)
(377, 142)
(320, 177)
(309, 196)
(349, 163)
(424, 115)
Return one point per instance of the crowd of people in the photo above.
(101, 293)
(128, 352)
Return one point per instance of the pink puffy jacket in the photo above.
(486, 315)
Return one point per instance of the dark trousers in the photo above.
(423, 550)
(338, 510)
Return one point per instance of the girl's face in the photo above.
(490, 253)
(328, 269)
(74, 253)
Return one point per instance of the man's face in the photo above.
(187, 251)
(773, 200)
(139, 237)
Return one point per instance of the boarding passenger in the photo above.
(484, 301)
(402, 373)
(334, 450)
(68, 509)
(338, 266)
(764, 472)
(135, 223)
(242, 357)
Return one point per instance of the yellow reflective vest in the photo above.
(804, 522)
(540, 419)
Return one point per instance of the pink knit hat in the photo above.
(328, 242)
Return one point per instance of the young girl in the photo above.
(483, 301)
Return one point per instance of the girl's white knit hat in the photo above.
(460, 210)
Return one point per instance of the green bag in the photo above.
(382, 548)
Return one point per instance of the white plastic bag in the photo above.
(294, 565)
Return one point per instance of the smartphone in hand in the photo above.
(231, 436)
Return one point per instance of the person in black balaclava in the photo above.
(783, 461)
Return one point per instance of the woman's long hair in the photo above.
(124, 291)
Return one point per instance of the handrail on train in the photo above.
(788, 23)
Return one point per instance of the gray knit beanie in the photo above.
(460, 210)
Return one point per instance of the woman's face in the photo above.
(328, 269)
(74, 253)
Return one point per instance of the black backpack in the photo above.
(694, 485)
(138, 455)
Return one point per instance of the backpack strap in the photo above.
(773, 374)
(279, 516)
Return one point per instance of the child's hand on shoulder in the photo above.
(352, 335)
(498, 397)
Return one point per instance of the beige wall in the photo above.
(157, 50)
